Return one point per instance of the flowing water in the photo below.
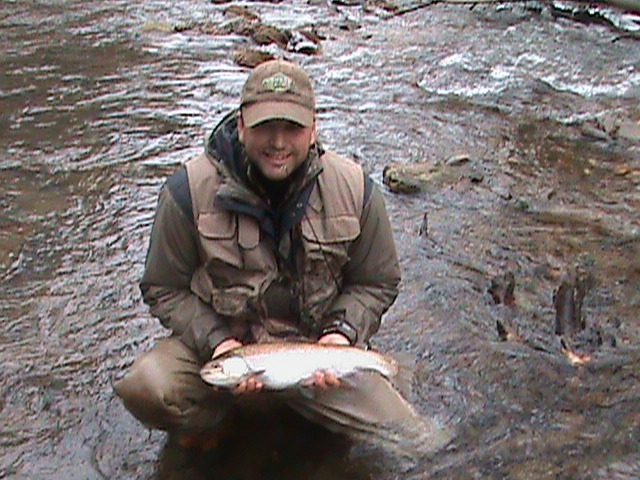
(101, 100)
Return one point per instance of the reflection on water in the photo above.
(97, 111)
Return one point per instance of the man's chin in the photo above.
(276, 174)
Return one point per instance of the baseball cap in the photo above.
(278, 89)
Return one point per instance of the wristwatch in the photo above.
(343, 327)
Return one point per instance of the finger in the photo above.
(247, 386)
(319, 380)
(226, 346)
(252, 385)
(241, 388)
(331, 379)
(334, 339)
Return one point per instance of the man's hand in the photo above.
(325, 379)
(334, 339)
(225, 346)
(250, 384)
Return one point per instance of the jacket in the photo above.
(223, 262)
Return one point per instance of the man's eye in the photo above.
(293, 127)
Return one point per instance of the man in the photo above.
(265, 237)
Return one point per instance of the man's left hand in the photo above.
(334, 339)
(325, 379)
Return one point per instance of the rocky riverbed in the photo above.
(505, 138)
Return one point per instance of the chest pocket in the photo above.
(232, 259)
(219, 240)
(327, 241)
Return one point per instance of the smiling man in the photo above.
(265, 237)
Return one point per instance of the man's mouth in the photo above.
(278, 159)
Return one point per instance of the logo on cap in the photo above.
(278, 83)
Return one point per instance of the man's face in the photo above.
(277, 147)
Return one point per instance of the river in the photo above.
(535, 116)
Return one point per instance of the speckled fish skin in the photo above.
(287, 365)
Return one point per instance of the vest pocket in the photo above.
(326, 243)
(231, 302)
(218, 239)
(336, 229)
(227, 243)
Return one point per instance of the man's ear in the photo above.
(313, 133)
(241, 127)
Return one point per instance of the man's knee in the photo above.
(157, 388)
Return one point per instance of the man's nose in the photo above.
(278, 136)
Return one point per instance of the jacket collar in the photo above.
(238, 193)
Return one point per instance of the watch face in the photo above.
(342, 327)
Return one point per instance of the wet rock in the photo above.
(238, 26)
(240, 11)
(374, 5)
(623, 128)
(503, 334)
(423, 231)
(247, 23)
(595, 133)
(587, 218)
(622, 170)
(502, 288)
(458, 160)
(252, 58)
(574, 357)
(508, 334)
(242, 21)
(209, 29)
(476, 177)
(184, 27)
(302, 42)
(608, 124)
(164, 27)
(629, 131)
(313, 34)
(411, 178)
(268, 34)
(349, 25)
(398, 181)
(567, 301)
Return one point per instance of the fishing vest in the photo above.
(238, 263)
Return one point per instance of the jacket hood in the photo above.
(223, 147)
(227, 154)
(239, 193)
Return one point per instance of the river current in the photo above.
(102, 100)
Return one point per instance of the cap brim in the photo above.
(259, 112)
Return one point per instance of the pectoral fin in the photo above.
(256, 373)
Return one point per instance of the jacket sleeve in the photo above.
(171, 261)
(370, 277)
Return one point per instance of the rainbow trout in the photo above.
(284, 365)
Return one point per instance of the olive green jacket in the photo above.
(224, 263)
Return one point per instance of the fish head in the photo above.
(228, 372)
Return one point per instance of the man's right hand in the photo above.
(225, 346)
(250, 384)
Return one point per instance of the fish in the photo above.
(285, 365)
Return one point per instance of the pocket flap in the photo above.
(335, 229)
(217, 225)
